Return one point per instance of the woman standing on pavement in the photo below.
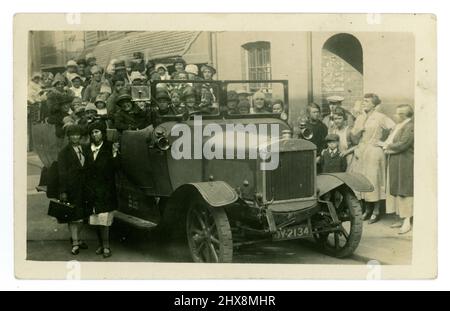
(399, 147)
(100, 184)
(369, 159)
(72, 178)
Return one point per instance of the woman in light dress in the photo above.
(370, 129)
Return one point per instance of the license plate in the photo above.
(290, 233)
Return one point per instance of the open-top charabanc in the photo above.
(222, 170)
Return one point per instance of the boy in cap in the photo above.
(330, 160)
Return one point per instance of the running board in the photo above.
(134, 221)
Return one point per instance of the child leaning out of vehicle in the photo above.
(331, 160)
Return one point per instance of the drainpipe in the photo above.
(309, 67)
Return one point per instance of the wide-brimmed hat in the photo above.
(179, 60)
(36, 75)
(208, 67)
(78, 108)
(90, 56)
(332, 137)
(136, 75)
(100, 98)
(243, 92)
(71, 63)
(98, 125)
(75, 76)
(119, 65)
(138, 55)
(160, 66)
(59, 78)
(73, 129)
(123, 97)
(90, 106)
(95, 69)
(191, 68)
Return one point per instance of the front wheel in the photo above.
(209, 233)
(340, 239)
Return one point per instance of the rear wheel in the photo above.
(344, 237)
(209, 233)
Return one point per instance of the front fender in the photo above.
(215, 193)
(329, 181)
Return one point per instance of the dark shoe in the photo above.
(83, 245)
(75, 250)
(99, 250)
(373, 219)
(106, 253)
(365, 216)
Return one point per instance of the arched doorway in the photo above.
(342, 69)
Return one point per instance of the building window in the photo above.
(102, 35)
(258, 63)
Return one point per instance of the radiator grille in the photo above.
(294, 177)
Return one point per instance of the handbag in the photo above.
(62, 211)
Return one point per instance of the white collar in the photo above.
(96, 148)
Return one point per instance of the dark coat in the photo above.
(100, 184)
(72, 180)
(124, 120)
(329, 163)
(319, 131)
(401, 162)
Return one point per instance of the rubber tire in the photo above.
(356, 228)
(223, 231)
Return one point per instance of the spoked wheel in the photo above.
(344, 239)
(209, 233)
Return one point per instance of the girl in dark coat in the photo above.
(100, 184)
(72, 179)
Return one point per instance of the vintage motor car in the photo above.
(216, 204)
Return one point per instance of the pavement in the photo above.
(48, 240)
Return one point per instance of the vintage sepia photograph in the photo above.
(287, 147)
